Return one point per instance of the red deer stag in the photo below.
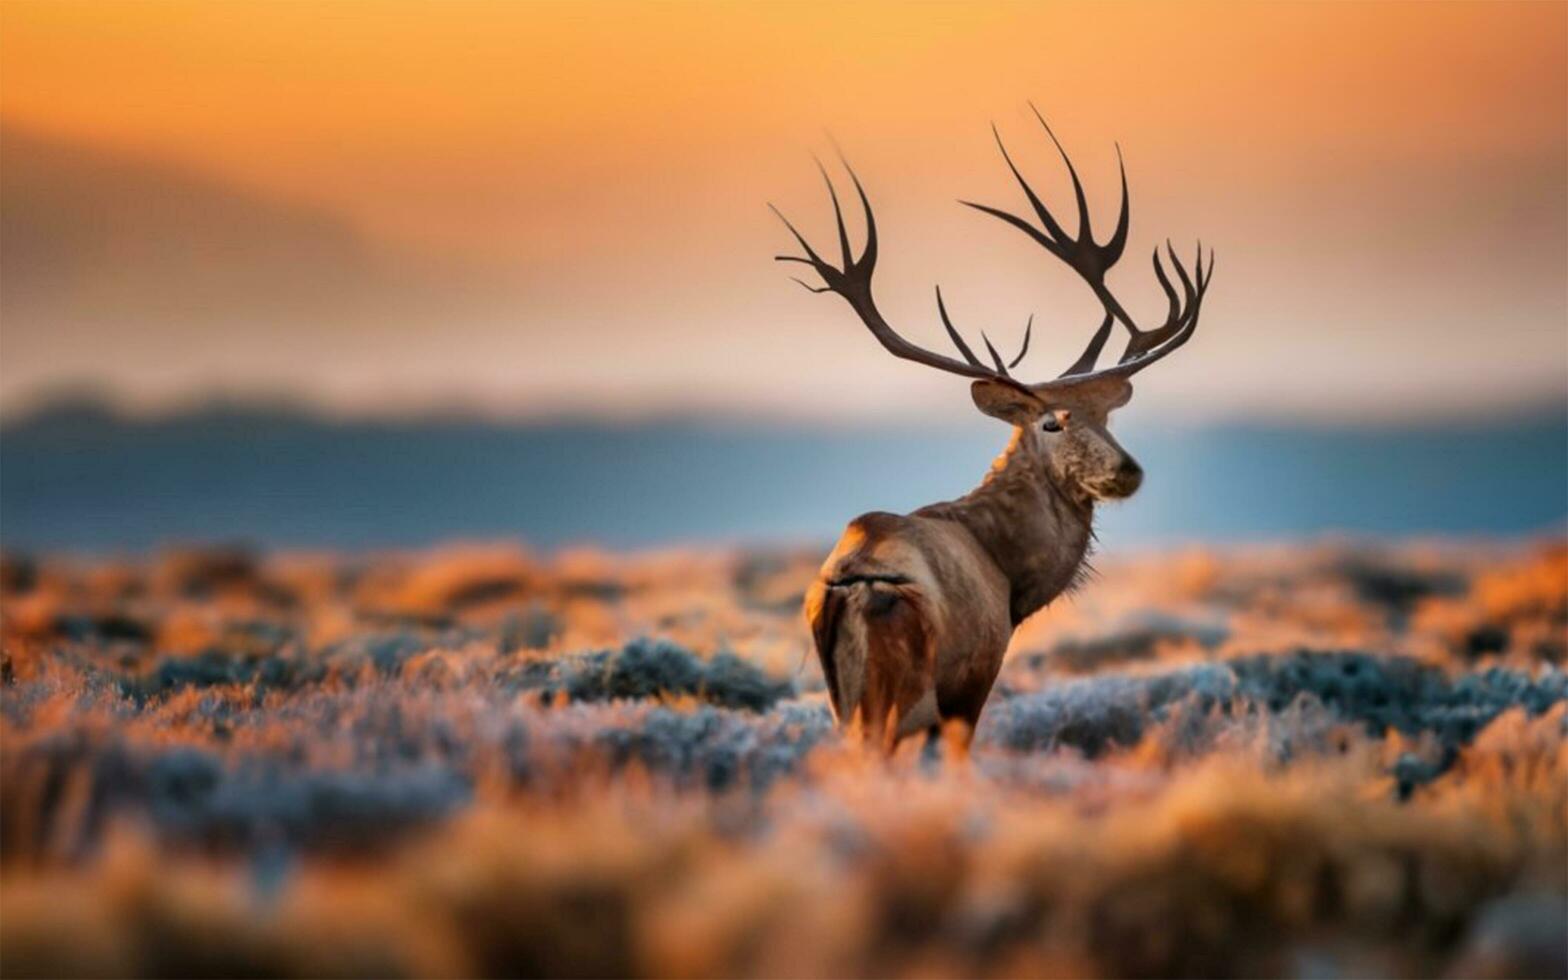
(911, 614)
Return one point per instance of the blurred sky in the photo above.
(543, 208)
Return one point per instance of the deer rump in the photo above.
(875, 641)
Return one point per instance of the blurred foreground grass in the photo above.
(1327, 760)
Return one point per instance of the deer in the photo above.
(911, 614)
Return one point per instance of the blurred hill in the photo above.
(78, 475)
(168, 276)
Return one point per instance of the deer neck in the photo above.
(1036, 532)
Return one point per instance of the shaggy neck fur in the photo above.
(1036, 529)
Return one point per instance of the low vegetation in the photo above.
(1326, 760)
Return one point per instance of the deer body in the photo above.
(911, 614)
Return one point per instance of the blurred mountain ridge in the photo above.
(78, 474)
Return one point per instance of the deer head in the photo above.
(1063, 420)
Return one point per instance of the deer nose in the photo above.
(1130, 474)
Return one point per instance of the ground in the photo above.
(1322, 760)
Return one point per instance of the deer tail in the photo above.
(839, 655)
(875, 644)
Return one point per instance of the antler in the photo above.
(1092, 260)
(852, 280)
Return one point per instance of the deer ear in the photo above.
(1003, 401)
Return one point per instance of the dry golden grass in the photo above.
(1319, 760)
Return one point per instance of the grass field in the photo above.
(1329, 760)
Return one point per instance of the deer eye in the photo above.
(1049, 424)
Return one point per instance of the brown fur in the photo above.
(911, 614)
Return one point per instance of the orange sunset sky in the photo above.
(540, 208)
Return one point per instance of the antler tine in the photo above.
(838, 215)
(1181, 309)
(1114, 245)
(1091, 353)
(1001, 366)
(1028, 329)
(868, 255)
(1181, 270)
(952, 331)
(853, 283)
(1165, 284)
(1023, 349)
(1085, 232)
(1109, 252)
(1057, 241)
(1149, 347)
(1090, 259)
(812, 257)
(809, 287)
(850, 263)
